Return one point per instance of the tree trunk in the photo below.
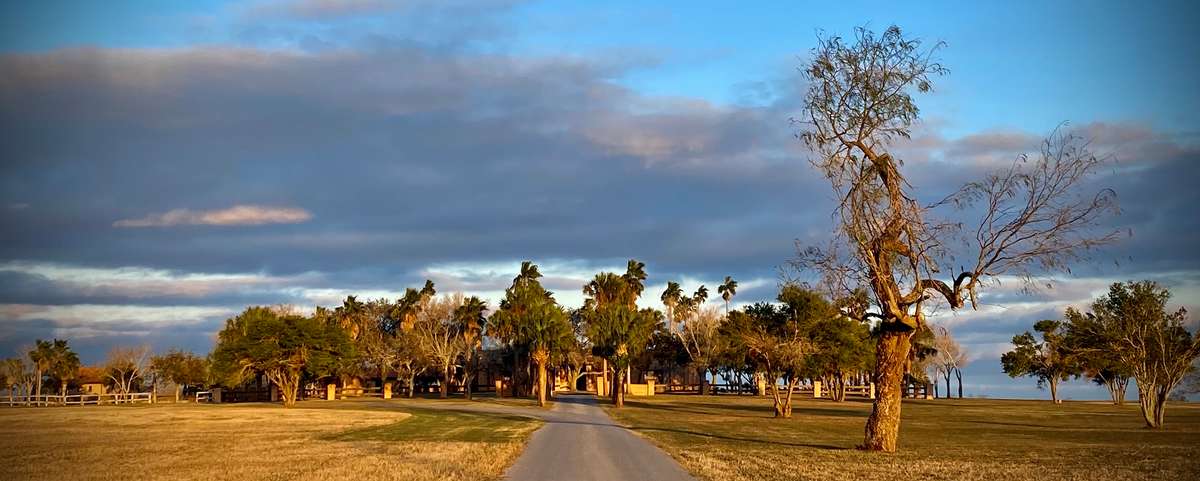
(883, 426)
(541, 369)
(947, 385)
(1153, 400)
(1054, 390)
(703, 372)
(618, 393)
(958, 375)
(445, 382)
(411, 388)
(38, 385)
(178, 392)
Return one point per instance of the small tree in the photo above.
(125, 367)
(282, 345)
(180, 368)
(12, 370)
(841, 345)
(1133, 324)
(950, 357)
(1049, 360)
(1090, 348)
(439, 336)
(700, 333)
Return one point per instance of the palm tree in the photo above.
(66, 365)
(471, 322)
(42, 356)
(700, 295)
(670, 298)
(545, 330)
(728, 289)
(635, 276)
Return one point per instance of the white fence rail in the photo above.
(77, 399)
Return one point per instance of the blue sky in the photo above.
(171, 162)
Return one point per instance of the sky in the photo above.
(166, 164)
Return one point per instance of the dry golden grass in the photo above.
(735, 438)
(256, 442)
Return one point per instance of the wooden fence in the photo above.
(77, 399)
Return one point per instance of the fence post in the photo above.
(871, 392)
(387, 390)
(816, 389)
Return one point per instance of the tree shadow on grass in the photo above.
(741, 439)
(765, 411)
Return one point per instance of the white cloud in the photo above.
(236, 215)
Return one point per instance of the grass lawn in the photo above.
(735, 438)
(316, 440)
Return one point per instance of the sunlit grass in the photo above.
(735, 438)
(318, 440)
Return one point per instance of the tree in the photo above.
(531, 318)
(617, 329)
(126, 366)
(439, 335)
(12, 370)
(777, 339)
(45, 356)
(1090, 349)
(1049, 360)
(700, 334)
(950, 357)
(64, 365)
(670, 298)
(180, 368)
(858, 102)
(284, 346)
(1133, 323)
(471, 318)
(727, 289)
(841, 345)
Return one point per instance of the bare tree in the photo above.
(700, 333)
(125, 366)
(438, 332)
(950, 357)
(858, 103)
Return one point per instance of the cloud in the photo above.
(236, 215)
(322, 9)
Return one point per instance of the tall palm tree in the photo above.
(471, 320)
(635, 276)
(700, 295)
(545, 330)
(728, 289)
(670, 298)
(42, 356)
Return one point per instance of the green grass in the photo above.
(447, 426)
(735, 438)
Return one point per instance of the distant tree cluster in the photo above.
(1129, 333)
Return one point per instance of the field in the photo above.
(735, 438)
(347, 440)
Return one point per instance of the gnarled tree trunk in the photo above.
(883, 426)
(618, 391)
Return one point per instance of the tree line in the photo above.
(1129, 333)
